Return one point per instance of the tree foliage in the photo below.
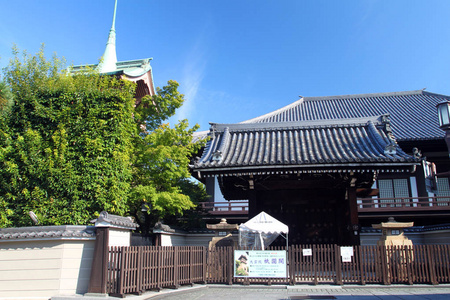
(5, 97)
(72, 146)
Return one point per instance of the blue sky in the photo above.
(238, 59)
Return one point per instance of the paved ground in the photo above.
(308, 292)
(298, 292)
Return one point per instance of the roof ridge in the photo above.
(366, 95)
(299, 124)
(348, 96)
(293, 104)
(436, 94)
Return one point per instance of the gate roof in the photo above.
(360, 142)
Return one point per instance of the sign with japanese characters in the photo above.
(346, 254)
(266, 263)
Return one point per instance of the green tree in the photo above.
(192, 218)
(5, 96)
(72, 146)
(161, 162)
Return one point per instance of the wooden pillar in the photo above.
(210, 186)
(252, 204)
(158, 239)
(97, 282)
(354, 227)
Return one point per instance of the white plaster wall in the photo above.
(119, 237)
(42, 269)
(173, 240)
(76, 267)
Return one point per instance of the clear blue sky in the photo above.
(238, 59)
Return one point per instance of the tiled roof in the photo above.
(413, 114)
(113, 220)
(48, 232)
(356, 142)
(199, 136)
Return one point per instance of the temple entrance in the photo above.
(316, 216)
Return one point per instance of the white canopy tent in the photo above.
(260, 231)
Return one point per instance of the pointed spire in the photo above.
(109, 58)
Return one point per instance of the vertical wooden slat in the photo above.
(353, 263)
(205, 266)
(230, 263)
(417, 277)
(175, 267)
(315, 265)
(423, 264)
(394, 266)
(361, 262)
(159, 257)
(319, 262)
(438, 261)
(338, 266)
(431, 265)
(291, 261)
(121, 280)
(446, 258)
(384, 265)
(443, 252)
(409, 264)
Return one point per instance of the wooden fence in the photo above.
(141, 268)
(137, 269)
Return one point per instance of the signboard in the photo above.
(346, 254)
(307, 252)
(258, 264)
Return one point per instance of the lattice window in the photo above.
(443, 189)
(396, 189)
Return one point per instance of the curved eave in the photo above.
(199, 136)
(434, 138)
(310, 168)
(137, 73)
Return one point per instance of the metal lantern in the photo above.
(444, 114)
(444, 120)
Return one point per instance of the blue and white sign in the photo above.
(248, 263)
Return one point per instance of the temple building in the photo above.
(327, 166)
(138, 71)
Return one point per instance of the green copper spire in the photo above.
(109, 58)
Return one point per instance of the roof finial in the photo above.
(109, 58)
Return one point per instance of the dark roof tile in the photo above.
(413, 114)
(339, 142)
(48, 232)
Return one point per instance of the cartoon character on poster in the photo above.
(241, 262)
